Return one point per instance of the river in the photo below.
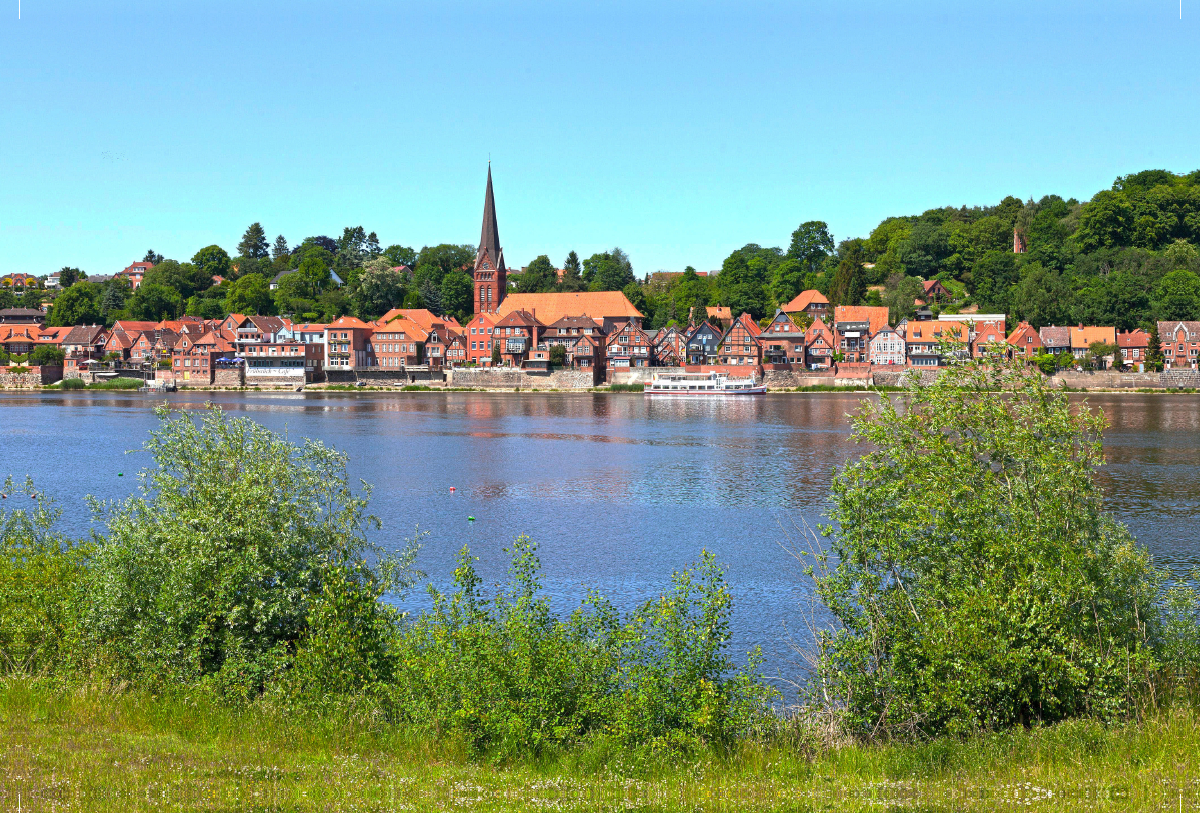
(618, 490)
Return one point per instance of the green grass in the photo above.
(95, 750)
(622, 388)
(117, 384)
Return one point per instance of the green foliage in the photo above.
(456, 292)
(509, 677)
(558, 355)
(249, 294)
(495, 352)
(608, 271)
(211, 261)
(572, 278)
(7, 300)
(72, 384)
(1178, 296)
(254, 243)
(377, 289)
(47, 355)
(212, 569)
(78, 305)
(185, 279)
(154, 301)
(976, 578)
(40, 573)
(538, 277)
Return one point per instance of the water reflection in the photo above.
(619, 490)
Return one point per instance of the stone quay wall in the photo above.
(508, 378)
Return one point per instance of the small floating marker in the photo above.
(120, 474)
(470, 519)
(451, 489)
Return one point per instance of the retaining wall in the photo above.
(1107, 379)
(20, 381)
(507, 378)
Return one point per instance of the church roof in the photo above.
(549, 308)
(489, 238)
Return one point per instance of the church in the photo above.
(609, 309)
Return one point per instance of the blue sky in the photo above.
(678, 131)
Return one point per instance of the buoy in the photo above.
(451, 489)
(470, 519)
(120, 474)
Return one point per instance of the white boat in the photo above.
(681, 383)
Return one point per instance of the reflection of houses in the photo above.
(782, 341)
(1180, 342)
(739, 345)
(703, 344)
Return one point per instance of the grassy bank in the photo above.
(99, 751)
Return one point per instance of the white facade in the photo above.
(887, 347)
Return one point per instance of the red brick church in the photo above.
(491, 277)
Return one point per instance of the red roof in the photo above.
(803, 300)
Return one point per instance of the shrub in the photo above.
(40, 573)
(47, 355)
(73, 384)
(213, 570)
(509, 677)
(975, 577)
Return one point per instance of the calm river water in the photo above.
(618, 490)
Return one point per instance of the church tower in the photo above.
(491, 277)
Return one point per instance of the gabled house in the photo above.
(1083, 337)
(1134, 344)
(811, 302)
(703, 344)
(587, 352)
(479, 336)
(853, 327)
(1055, 340)
(924, 342)
(1180, 343)
(782, 342)
(984, 334)
(82, 344)
(739, 344)
(566, 330)
(456, 350)
(628, 346)
(819, 345)
(399, 343)
(347, 344)
(934, 291)
(670, 347)
(518, 332)
(135, 272)
(1025, 342)
(886, 347)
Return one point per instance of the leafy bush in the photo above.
(213, 570)
(976, 578)
(117, 384)
(47, 355)
(509, 677)
(39, 576)
(73, 384)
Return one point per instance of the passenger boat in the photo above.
(681, 383)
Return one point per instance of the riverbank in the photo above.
(99, 751)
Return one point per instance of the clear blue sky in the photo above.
(678, 131)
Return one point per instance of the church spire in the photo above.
(489, 239)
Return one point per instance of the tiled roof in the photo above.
(552, 307)
(1055, 336)
(719, 312)
(1167, 329)
(803, 300)
(130, 326)
(876, 317)
(83, 334)
(1022, 332)
(933, 332)
(348, 322)
(1083, 336)
(1133, 338)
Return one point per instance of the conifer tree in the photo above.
(254, 243)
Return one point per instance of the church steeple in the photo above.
(491, 277)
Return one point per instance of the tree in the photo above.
(431, 295)
(1105, 222)
(7, 300)
(31, 298)
(400, 255)
(558, 355)
(152, 257)
(205, 308)
(457, 292)
(154, 302)
(212, 261)
(608, 271)
(280, 248)
(992, 275)
(185, 278)
(47, 355)
(849, 282)
(78, 305)
(496, 351)
(249, 294)
(68, 276)
(1041, 298)
(787, 280)
(217, 570)
(572, 278)
(254, 243)
(633, 292)
(314, 275)
(377, 289)
(1154, 355)
(991, 589)
(811, 245)
(538, 277)
(1178, 296)
(900, 295)
(114, 295)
